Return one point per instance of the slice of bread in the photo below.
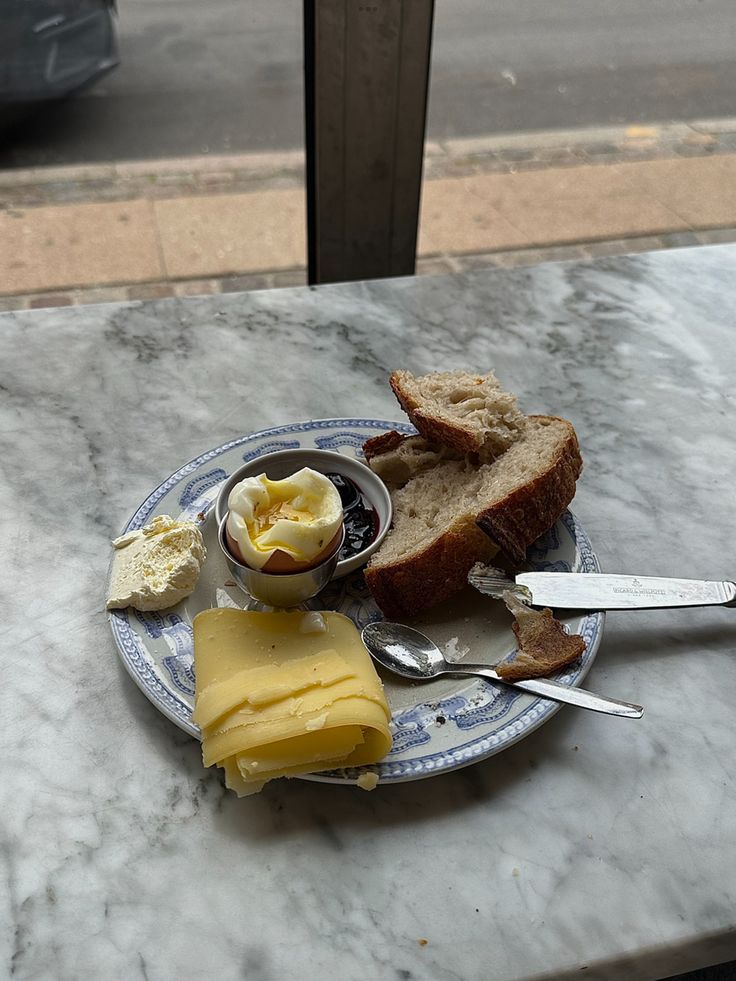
(470, 414)
(450, 513)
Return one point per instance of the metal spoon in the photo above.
(410, 653)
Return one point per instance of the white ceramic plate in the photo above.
(437, 726)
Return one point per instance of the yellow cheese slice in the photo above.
(342, 712)
(274, 697)
(303, 703)
(310, 747)
(234, 781)
(268, 683)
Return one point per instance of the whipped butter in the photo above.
(281, 525)
(157, 566)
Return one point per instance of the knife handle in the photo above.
(562, 693)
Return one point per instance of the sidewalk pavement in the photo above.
(203, 225)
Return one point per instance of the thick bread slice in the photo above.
(468, 413)
(436, 536)
(535, 481)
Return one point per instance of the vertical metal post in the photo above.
(366, 68)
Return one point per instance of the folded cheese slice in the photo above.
(277, 697)
(254, 687)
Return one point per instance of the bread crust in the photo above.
(463, 441)
(435, 574)
(521, 517)
(383, 443)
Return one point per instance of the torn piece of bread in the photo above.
(454, 514)
(396, 458)
(470, 414)
(544, 646)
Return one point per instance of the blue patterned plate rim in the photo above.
(137, 664)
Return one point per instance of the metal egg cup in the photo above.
(281, 590)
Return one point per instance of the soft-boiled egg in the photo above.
(284, 526)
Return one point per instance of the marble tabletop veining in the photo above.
(596, 847)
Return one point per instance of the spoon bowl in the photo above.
(404, 650)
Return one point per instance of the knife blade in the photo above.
(600, 591)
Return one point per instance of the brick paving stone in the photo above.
(483, 260)
(524, 166)
(217, 177)
(290, 277)
(208, 163)
(176, 180)
(513, 155)
(67, 174)
(101, 294)
(12, 303)
(461, 167)
(50, 300)
(150, 291)
(639, 150)
(679, 240)
(257, 281)
(558, 155)
(196, 287)
(521, 257)
(716, 236)
(641, 243)
(479, 260)
(563, 253)
(599, 149)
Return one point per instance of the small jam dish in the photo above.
(280, 590)
(371, 495)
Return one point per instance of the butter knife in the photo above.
(600, 591)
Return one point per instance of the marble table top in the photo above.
(595, 845)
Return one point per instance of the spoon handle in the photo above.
(561, 693)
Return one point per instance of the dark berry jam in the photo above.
(361, 521)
